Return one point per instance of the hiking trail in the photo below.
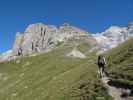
(114, 92)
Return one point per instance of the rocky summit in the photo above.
(40, 37)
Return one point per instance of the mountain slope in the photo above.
(120, 61)
(67, 71)
(52, 76)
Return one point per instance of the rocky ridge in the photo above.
(40, 38)
(113, 36)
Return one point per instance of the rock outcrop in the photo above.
(39, 38)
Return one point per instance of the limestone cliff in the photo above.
(40, 37)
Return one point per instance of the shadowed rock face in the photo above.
(39, 37)
(130, 28)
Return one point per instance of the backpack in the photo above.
(101, 61)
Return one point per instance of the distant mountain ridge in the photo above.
(113, 36)
(40, 38)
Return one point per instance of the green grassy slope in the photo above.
(51, 76)
(120, 61)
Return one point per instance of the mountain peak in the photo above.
(39, 37)
(113, 36)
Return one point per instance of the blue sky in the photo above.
(91, 15)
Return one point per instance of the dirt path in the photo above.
(113, 91)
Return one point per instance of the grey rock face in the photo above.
(36, 38)
(113, 36)
(39, 37)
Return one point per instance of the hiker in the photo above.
(101, 65)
